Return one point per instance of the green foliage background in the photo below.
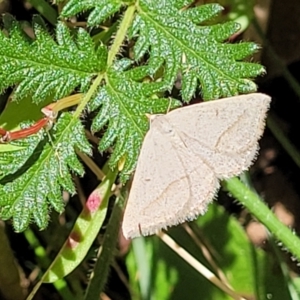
(175, 41)
(126, 70)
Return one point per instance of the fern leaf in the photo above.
(124, 104)
(30, 196)
(101, 10)
(174, 38)
(44, 67)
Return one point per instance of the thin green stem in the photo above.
(87, 97)
(289, 282)
(114, 50)
(105, 256)
(285, 72)
(256, 207)
(45, 9)
(121, 34)
(283, 140)
(43, 260)
(294, 84)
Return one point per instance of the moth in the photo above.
(185, 154)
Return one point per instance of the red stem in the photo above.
(50, 116)
(23, 133)
(3, 132)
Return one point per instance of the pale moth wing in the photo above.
(185, 154)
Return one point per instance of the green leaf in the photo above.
(84, 232)
(250, 270)
(28, 196)
(124, 104)
(44, 67)
(176, 41)
(101, 10)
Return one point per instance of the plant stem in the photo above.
(43, 260)
(121, 34)
(198, 266)
(114, 50)
(105, 256)
(283, 140)
(294, 84)
(45, 9)
(256, 207)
